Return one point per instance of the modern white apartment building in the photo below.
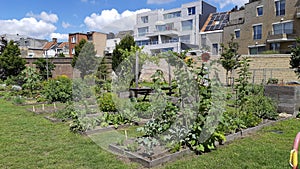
(174, 29)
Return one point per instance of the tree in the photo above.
(78, 48)
(125, 44)
(41, 65)
(230, 57)
(11, 63)
(87, 61)
(295, 58)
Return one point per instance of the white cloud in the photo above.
(224, 3)
(60, 36)
(52, 18)
(159, 1)
(65, 25)
(27, 26)
(112, 20)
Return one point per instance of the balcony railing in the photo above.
(282, 34)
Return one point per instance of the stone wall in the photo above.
(262, 68)
(287, 97)
(63, 67)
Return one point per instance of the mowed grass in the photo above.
(30, 141)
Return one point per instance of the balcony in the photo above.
(298, 12)
(281, 36)
(167, 32)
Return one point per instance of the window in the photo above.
(257, 32)
(166, 27)
(280, 7)
(215, 49)
(237, 33)
(185, 38)
(142, 31)
(259, 10)
(144, 19)
(192, 11)
(275, 46)
(73, 39)
(73, 51)
(256, 50)
(187, 25)
(281, 28)
(172, 15)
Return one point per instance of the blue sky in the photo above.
(57, 18)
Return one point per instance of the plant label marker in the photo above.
(54, 105)
(33, 109)
(126, 137)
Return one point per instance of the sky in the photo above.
(57, 18)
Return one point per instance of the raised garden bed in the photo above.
(100, 129)
(164, 155)
(286, 96)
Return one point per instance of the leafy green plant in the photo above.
(106, 102)
(19, 100)
(32, 80)
(148, 143)
(58, 89)
(65, 113)
(133, 147)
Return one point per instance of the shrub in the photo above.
(58, 89)
(261, 106)
(106, 102)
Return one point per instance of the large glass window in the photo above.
(185, 38)
(281, 28)
(280, 7)
(259, 10)
(142, 31)
(257, 32)
(168, 26)
(172, 15)
(144, 19)
(192, 11)
(187, 25)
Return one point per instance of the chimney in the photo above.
(54, 40)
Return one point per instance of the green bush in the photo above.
(58, 89)
(106, 102)
(261, 106)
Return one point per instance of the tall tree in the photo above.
(87, 62)
(78, 48)
(125, 44)
(11, 63)
(230, 57)
(295, 58)
(41, 65)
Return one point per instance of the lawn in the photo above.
(28, 140)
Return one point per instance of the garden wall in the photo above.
(287, 97)
(262, 68)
